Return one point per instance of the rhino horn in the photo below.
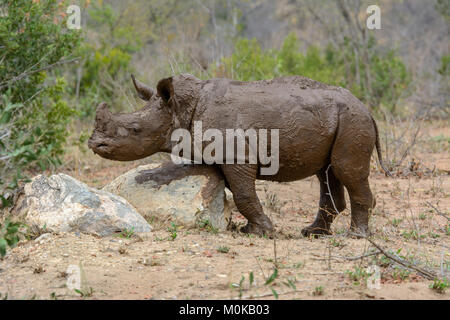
(144, 91)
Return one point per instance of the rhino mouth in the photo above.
(99, 147)
(102, 148)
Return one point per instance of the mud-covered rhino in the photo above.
(320, 127)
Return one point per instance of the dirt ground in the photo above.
(409, 221)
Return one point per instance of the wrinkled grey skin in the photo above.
(319, 125)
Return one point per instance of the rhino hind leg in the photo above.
(241, 179)
(350, 160)
(327, 204)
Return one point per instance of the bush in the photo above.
(33, 113)
(248, 62)
(106, 61)
(9, 236)
(331, 65)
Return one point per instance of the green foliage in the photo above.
(443, 7)
(9, 236)
(330, 65)
(206, 225)
(358, 275)
(400, 273)
(85, 293)
(318, 291)
(248, 62)
(223, 249)
(440, 285)
(32, 36)
(412, 234)
(445, 65)
(390, 80)
(173, 231)
(33, 113)
(106, 61)
(127, 233)
(272, 277)
(317, 64)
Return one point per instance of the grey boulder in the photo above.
(188, 195)
(61, 203)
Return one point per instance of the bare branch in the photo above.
(26, 74)
(437, 211)
(407, 264)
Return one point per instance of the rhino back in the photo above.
(305, 112)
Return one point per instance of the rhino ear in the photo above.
(144, 91)
(165, 89)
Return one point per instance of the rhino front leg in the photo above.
(241, 179)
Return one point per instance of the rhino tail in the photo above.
(377, 145)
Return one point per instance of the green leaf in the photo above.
(3, 245)
(274, 292)
(272, 277)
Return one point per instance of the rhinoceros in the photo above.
(323, 130)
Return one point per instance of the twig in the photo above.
(362, 256)
(437, 211)
(25, 74)
(427, 274)
(409, 146)
(275, 252)
(271, 294)
(329, 190)
(350, 258)
(260, 267)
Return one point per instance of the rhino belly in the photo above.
(305, 144)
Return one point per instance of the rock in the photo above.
(184, 194)
(43, 238)
(60, 203)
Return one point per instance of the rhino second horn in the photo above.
(144, 91)
(102, 111)
(102, 107)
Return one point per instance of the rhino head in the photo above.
(136, 135)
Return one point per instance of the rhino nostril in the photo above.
(102, 145)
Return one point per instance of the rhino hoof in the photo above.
(359, 233)
(257, 229)
(315, 231)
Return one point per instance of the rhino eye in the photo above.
(122, 132)
(136, 130)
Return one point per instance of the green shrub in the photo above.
(8, 236)
(106, 61)
(440, 286)
(248, 62)
(33, 114)
(331, 65)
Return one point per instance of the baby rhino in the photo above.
(323, 131)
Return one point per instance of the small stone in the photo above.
(43, 238)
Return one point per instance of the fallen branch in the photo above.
(438, 212)
(409, 265)
(362, 256)
(270, 294)
(350, 258)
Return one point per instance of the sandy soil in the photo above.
(204, 264)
